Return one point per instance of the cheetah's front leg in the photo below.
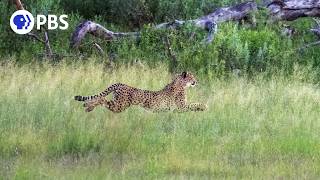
(184, 107)
(192, 107)
(197, 107)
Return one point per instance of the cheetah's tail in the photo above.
(102, 94)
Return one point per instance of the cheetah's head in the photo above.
(186, 79)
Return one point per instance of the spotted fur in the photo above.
(171, 97)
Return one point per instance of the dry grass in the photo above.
(253, 129)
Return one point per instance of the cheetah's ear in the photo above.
(184, 74)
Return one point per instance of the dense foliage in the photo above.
(237, 47)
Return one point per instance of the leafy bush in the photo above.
(234, 48)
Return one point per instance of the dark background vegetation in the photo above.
(236, 47)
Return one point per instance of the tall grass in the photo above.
(253, 128)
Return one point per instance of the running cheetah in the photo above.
(171, 97)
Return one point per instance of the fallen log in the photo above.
(208, 23)
(96, 30)
(290, 10)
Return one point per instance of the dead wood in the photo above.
(208, 22)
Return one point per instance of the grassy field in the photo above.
(253, 129)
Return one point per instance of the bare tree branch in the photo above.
(36, 37)
(309, 45)
(212, 30)
(96, 30)
(316, 30)
(19, 5)
(49, 53)
(98, 47)
(171, 54)
(47, 44)
(317, 21)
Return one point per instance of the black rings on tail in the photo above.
(102, 94)
(79, 98)
(83, 98)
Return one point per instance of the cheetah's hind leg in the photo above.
(116, 106)
(91, 104)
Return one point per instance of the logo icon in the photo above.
(22, 22)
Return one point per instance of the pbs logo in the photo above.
(22, 22)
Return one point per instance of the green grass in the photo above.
(253, 129)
